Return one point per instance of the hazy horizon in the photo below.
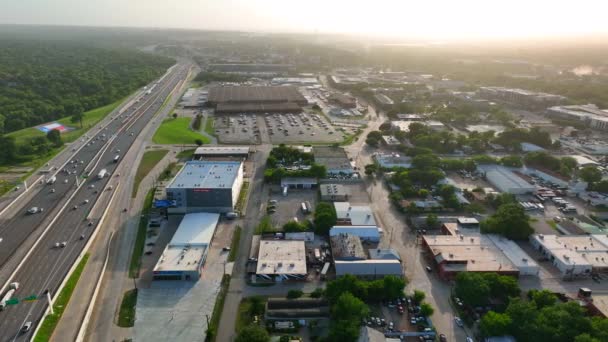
(393, 19)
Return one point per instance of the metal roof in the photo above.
(195, 229)
(357, 215)
(222, 150)
(206, 175)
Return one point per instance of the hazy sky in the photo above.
(443, 19)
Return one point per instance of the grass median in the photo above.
(49, 323)
(209, 124)
(240, 203)
(140, 240)
(234, 245)
(176, 131)
(126, 315)
(148, 161)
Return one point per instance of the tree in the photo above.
(425, 161)
(426, 309)
(349, 307)
(324, 218)
(317, 293)
(54, 136)
(294, 227)
(494, 324)
(77, 117)
(174, 115)
(371, 169)
(292, 294)
(373, 138)
(590, 174)
(542, 298)
(256, 306)
(523, 317)
(341, 330)
(512, 161)
(198, 142)
(510, 220)
(253, 333)
(347, 283)
(393, 287)
(586, 338)
(432, 221)
(418, 296)
(472, 288)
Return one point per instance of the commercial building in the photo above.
(589, 115)
(350, 258)
(343, 100)
(258, 99)
(334, 192)
(583, 161)
(477, 253)
(355, 220)
(392, 160)
(295, 81)
(435, 125)
(334, 159)
(206, 186)
(282, 259)
(524, 98)
(410, 117)
(184, 256)
(384, 100)
(205, 152)
(390, 141)
(528, 147)
(402, 125)
(299, 182)
(505, 180)
(574, 256)
(253, 69)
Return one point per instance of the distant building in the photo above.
(205, 152)
(253, 69)
(355, 220)
(505, 180)
(350, 258)
(299, 182)
(402, 125)
(410, 117)
(528, 147)
(343, 100)
(334, 159)
(435, 125)
(258, 99)
(384, 100)
(209, 186)
(392, 160)
(574, 256)
(184, 256)
(589, 115)
(295, 81)
(520, 97)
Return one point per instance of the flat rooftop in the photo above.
(222, 150)
(577, 249)
(281, 257)
(195, 230)
(469, 253)
(181, 258)
(333, 190)
(331, 157)
(347, 246)
(202, 174)
(354, 215)
(236, 94)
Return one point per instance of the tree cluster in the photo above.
(387, 288)
(374, 138)
(512, 138)
(478, 289)
(565, 166)
(325, 217)
(543, 318)
(510, 220)
(294, 227)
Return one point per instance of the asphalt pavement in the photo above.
(47, 266)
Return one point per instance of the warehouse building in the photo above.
(589, 115)
(253, 69)
(504, 180)
(334, 159)
(282, 259)
(334, 192)
(355, 220)
(206, 186)
(350, 258)
(574, 255)
(256, 99)
(343, 100)
(184, 256)
(477, 253)
(524, 98)
(392, 160)
(206, 152)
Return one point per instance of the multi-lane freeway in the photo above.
(67, 206)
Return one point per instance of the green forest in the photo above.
(42, 81)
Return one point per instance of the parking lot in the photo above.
(237, 129)
(301, 128)
(289, 207)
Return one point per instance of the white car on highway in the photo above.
(34, 210)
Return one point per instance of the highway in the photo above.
(67, 205)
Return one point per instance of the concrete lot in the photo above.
(289, 206)
(177, 310)
(300, 128)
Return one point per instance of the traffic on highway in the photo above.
(60, 214)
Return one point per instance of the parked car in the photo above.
(458, 322)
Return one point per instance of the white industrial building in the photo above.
(392, 160)
(221, 151)
(371, 268)
(184, 256)
(356, 220)
(350, 258)
(574, 256)
(282, 259)
(206, 186)
(504, 180)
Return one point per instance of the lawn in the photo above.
(140, 240)
(148, 161)
(126, 315)
(247, 311)
(234, 245)
(209, 124)
(61, 301)
(186, 154)
(242, 197)
(90, 118)
(177, 131)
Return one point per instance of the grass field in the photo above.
(140, 240)
(90, 118)
(177, 131)
(234, 245)
(61, 301)
(148, 161)
(126, 315)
